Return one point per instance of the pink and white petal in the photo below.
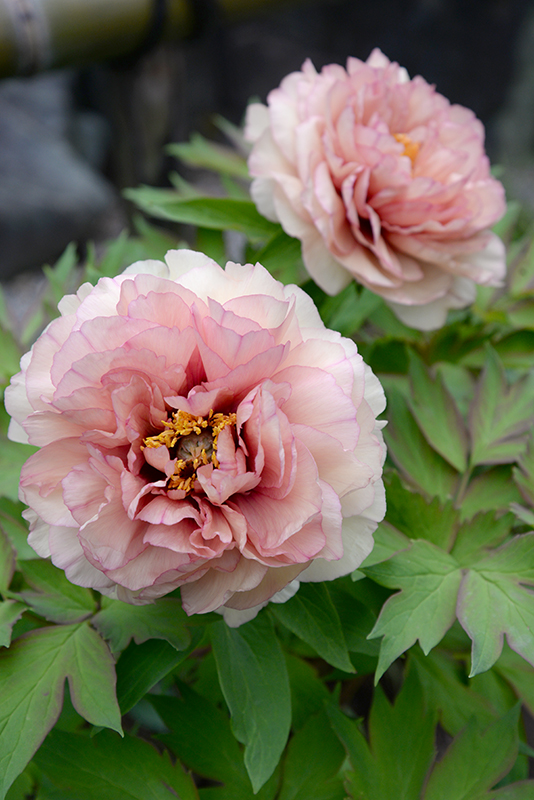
(216, 587)
(277, 581)
(326, 271)
(357, 537)
(68, 555)
(256, 121)
(41, 476)
(39, 532)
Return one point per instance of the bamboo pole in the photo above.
(42, 34)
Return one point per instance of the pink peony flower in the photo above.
(199, 428)
(383, 181)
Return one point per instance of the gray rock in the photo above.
(49, 195)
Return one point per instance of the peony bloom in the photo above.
(383, 181)
(199, 428)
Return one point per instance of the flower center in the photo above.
(411, 148)
(192, 441)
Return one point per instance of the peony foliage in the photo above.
(396, 660)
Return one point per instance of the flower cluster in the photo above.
(383, 181)
(198, 428)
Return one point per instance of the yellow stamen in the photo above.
(411, 148)
(195, 440)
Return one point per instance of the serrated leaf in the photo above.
(445, 691)
(140, 667)
(201, 737)
(311, 615)
(254, 681)
(121, 622)
(500, 415)
(437, 415)
(10, 612)
(401, 745)
(112, 768)
(314, 757)
(56, 598)
(424, 609)
(411, 452)
(219, 213)
(32, 676)
(492, 601)
(482, 532)
(411, 514)
(475, 760)
(492, 490)
(387, 541)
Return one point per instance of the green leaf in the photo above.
(10, 612)
(112, 768)
(56, 598)
(401, 745)
(201, 737)
(308, 692)
(519, 675)
(387, 541)
(12, 457)
(475, 760)
(411, 514)
(424, 609)
(483, 531)
(493, 490)
(140, 667)
(402, 739)
(212, 244)
(524, 473)
(314, 757)
(524, 790)
(348, 310)
(423, 467)
(60, 275)
(32, 676)
(282, 257)
(500, 415)
(356, 617)
(165, 619)
(199, 152)
(7, 562)
(437, 415)
(365, 781)
(445, 691)
(16, 528)
(22, 787)
(220, 213)
(11, 353)
(492, 601)
(311, 615)
(254, 681)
